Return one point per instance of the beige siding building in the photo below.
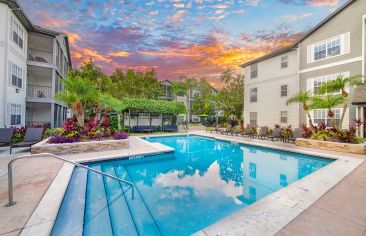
(336, 46)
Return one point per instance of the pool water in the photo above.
(178, 193)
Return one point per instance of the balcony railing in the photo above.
(37, 91)
(39, 56)
(37, 123)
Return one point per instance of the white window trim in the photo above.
(18, 112)
(10, 71)
(286, 90)
(345, 47)
(310, 81)
(20, 26)
(284, 68)
(326, 114)
(284, 116)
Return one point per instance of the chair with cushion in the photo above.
(297, 134)
(263, 133)
(170, 128)
(276, 134)
(6, 134)
(32, 136)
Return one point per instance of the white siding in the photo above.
(269, 81)
(10, 52)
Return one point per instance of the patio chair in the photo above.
(6, 134)
(276, 134)
(226, 130)
(297, 134)
(263, 133)
(236, 131)
(248, 131)
(32, 136)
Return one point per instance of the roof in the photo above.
(294, 45)
(18, 11)
(359, 96)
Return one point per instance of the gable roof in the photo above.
(23, 18)
(295, 44)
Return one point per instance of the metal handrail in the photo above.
(10, 174)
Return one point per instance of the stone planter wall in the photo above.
(332, 146)
(92, 146)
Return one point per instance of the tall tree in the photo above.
(228, 75)
(341, 84)
(328, 102)
(303, 98)
(230, 99)
(203, 100)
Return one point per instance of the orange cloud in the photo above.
(119, 54)
(319, 3)
(73, 37)
(83, 54)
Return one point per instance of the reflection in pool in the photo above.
(202, 182)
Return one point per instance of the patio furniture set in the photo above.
(32, 136)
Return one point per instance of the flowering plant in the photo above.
(120, 135)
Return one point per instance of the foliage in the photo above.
(304, 98)
(134, 84)
(18, 134)
(230, 99)
(114, 122)
(120, 135)
(203, 100)
(287, 132)
(306, 131)
(228, 75)
(328, 102)
(155, 106)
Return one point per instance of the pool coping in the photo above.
(266, 216)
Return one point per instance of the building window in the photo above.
(321, 116)
(284, 62)
(319, 81)
(284, 91)
(253, 118)
(334, 47)
(16, 75)
(254, 71)
(18, 34)
(328, 48)
(253, 170)
(15, 114)
(253, 95)
(283, 116)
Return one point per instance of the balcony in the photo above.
(39, 56)
(37, 91)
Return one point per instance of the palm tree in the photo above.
(328, 102)
(340, 84)
(304, 98)
(228, 75)
(78, 94)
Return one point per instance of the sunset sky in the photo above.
(198, 38)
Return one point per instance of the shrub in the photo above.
(63, 139)
(320, 135)
(120, 135)
(306, 131)
(70, 125)
(18, 135)
(114, 122)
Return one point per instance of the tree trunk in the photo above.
(310, 120)
(343, 114)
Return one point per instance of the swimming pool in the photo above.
(178, 193)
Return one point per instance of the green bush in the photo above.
(114, 122)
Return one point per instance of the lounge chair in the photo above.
(276, 134)
(248, 131)
(297, 134)
(170, 128)
(226, 130)
(32, 136)
(236, 131)
(6, 134)
(263, 133)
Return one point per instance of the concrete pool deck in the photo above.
(12, 221)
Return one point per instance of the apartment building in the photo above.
(33, 61)
(336, 46)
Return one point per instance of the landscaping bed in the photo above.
(77, 147)
(332, 146)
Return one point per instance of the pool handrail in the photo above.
(10, 173)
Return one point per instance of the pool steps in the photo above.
(110, 209)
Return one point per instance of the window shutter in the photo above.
(346, 43)
(8, 115)
(310, 85)
(310, 54)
